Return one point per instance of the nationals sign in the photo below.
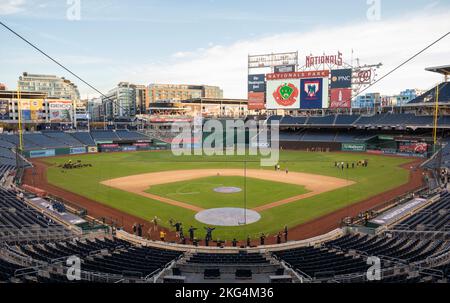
(283, 94)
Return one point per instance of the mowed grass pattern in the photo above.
(200, 192)
(382, 174)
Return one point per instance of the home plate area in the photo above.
(228, 216)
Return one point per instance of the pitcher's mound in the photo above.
(227, 189)
(227, 216)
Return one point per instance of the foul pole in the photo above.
(436, 111)
(19, 107)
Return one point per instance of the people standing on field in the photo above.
(139, 230)
(278, 236)
(262, 239)
(234, 242)
(248, 241)
(155, 222)
(134, 228)
(285, 233)
(162, 236)
(191, 233)
(209, 232)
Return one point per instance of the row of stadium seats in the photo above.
(99, 256)
(435, 217)
(56, 139)
(17, 214)
(387, 119)
(324, 136)
(333, 258)
(430, 95)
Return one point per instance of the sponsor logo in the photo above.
(311, 88)
(364, 76)
(340, 98)
(286, 94)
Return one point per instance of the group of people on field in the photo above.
(278, 168)
(182, 239)
(346, 165)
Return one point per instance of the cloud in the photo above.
(389, 41)
(9, 7)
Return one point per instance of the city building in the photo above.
(368, 101)
(142, 103)
(120, 101)
(408, 95)
(54, 86)
(95, 109)
(206, 107)
(158, 92)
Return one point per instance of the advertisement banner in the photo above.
(340, 98)
(37, 110)
(42, 153)
(298, 75)
(341, 78)
(270, 60)
(25, 109)
(413, 147)
(92, 149)
(129, 148)
(354, 147)
(77, 150)
(26, 115)
(283, 94)
(141, 144)
(257, 83)
(60, 111)
(256, 101)
(314, 93)
(4, 109)
(284, 68)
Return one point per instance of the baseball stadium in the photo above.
(310, 179)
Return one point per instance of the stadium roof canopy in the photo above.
(444, 70)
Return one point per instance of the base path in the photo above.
(138, 184)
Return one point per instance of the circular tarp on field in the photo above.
(227, 189)
(227, 216)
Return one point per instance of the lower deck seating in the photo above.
(435, 217)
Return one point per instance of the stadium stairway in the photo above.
(208, 267)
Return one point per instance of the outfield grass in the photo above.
(200, 192)
(382, 174)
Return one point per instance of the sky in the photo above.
(208, 41)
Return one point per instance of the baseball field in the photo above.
(149, 184)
